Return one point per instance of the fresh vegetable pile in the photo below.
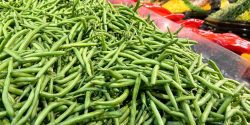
(88, 62)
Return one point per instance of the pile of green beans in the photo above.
(67, 62)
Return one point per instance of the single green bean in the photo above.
(134, 98)
(80, 118)
(5, 95)
(116, 101)
(156, 113)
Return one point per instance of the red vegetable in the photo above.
(163, 12)
(175, 17)
(157, 9)
(192, 23)
(227, 40)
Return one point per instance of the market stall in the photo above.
(92, 62)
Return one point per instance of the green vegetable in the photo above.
(231, 12)
(89, 62)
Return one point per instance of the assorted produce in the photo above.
(89, 62)
(180, 6)
(234, 12)
(228, 40)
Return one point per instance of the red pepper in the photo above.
(192, 23)
(163, 12)
(175, 17)
(157, 9)
(227, 40)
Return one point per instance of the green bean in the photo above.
(80, 118)
(216, 68)
(3, 114)
(12, 89)
(134, 54)
(20, 74)
(45, 111)
(87, 101)
(203, 81)
(124, 116)
(181, 51)
(113, 114)
(197, 108)
(30, 35)
(5, 42)
(27, 70)
(171, 97)
(43, 54)
(70, 86)
(78, 45)
(149, 121)
(166, 66)
(79, 57)
(192, 66)
(86, 62)
(154, 74)
(134, 98)
(146, 61)
(142, 118)
(5, 121)
(207, 110)
(156, 113)
(140, 114)
(114, 74)
(228, 100)
(24, 108)
(1, 29)
(188, 113)
(173, 83)
(67, 67)
(160, 95)
(219, 116)
(164, 107)
(116, 101)
(116, 55)
(24, 79)
(5, 95)
(34, 103)
(202, 66)
(176, 74)
(24, 93)
(58, 43)
(68, 78)
(5, 26)
(245, 106)
(190, 77)
(128, 72)
(209, 94)
(45, 67)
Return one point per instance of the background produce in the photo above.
(234, 12)
(88, 62)
(179, 6)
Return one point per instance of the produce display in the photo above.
(180, 6)
(233, 12)
(230, 41)
(245, 16)
(89, 62)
